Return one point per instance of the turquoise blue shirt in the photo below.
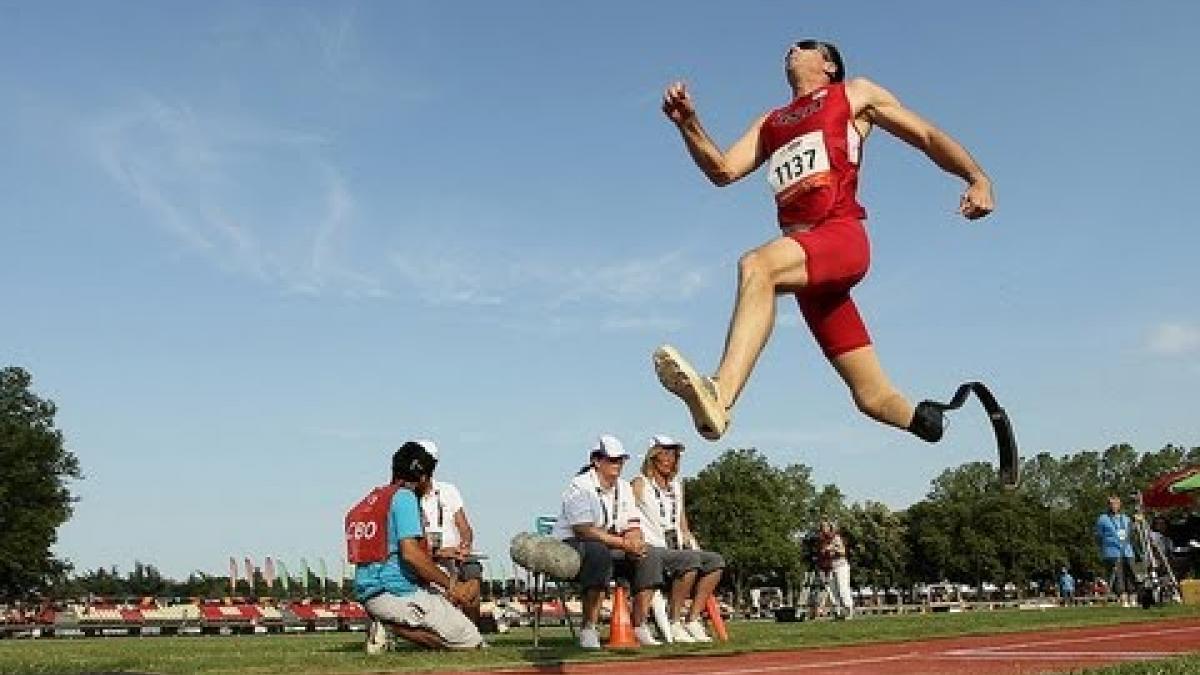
(393, 576)
(1113, 533)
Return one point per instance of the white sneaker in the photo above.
(644, 636)
(377, 638)
(589, 637)
(698, 391)
(696, 630)
(680, 634)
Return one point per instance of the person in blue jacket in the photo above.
(1114, 531)
(1066, 587)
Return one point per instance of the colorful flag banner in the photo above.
(250, 574)
(284, 576)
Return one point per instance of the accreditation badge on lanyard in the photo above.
(1122, 533)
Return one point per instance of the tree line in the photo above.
(967, 529)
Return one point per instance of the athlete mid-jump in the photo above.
(813, 147)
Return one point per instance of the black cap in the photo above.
(412, 461)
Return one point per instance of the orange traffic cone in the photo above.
(714, 615)
(620, 628)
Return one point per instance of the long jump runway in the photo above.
(1046, 651)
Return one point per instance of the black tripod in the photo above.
(1158, 584)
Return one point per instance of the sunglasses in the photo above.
(806, 45)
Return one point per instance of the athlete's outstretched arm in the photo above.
(881, 107)
(722, 168)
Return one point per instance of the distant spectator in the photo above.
(395, 576)
(695, 572)
(835, 569)
(601, 520)
(1066, 587)
(1113, 531)
(450, 536)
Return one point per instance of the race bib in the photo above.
(799, 163)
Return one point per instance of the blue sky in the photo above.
(250, 248)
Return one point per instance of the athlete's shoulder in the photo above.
(865, 89)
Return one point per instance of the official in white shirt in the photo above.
(601, 520)
(695, 573)
(450, 536)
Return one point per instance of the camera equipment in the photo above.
(1158, 584)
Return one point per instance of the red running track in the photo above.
(1044, 651)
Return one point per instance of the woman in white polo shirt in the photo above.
(600, 520)
(696, 573)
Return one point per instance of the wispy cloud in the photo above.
(462, 278)
(643, 324)
(668, 277)
(235, 190)
(1174, 339)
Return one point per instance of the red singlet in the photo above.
(814, 152)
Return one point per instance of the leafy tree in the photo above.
(875, 537)
(749, 511)
(145, 580)
(35, 499)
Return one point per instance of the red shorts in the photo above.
(838, 255)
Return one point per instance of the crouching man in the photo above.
(394, 573)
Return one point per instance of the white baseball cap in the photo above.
(610, 446)
(664, 441)
(429, 446)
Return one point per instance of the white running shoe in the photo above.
(589, 637)
(644, 637)
(696, 630)
(697, 391)
(377, 638)
(680, 634)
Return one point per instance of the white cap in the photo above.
(429, 446)
(609, 446)
(664, 441)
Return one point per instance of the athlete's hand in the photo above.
(978, 200)
(677, 104)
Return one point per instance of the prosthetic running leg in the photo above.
(928, 424)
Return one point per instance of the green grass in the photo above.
(1184, 665)
(342, 652)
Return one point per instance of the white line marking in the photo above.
(795, 666)
(1058, 656)
(1011, 649)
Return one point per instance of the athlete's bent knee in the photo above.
(754, 271)
(873, 401)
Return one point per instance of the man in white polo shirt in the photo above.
(600, 519)
(450, 536)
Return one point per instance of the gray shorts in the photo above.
(600, 563)
(428, 611)
(710, 561)
(680, 561)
